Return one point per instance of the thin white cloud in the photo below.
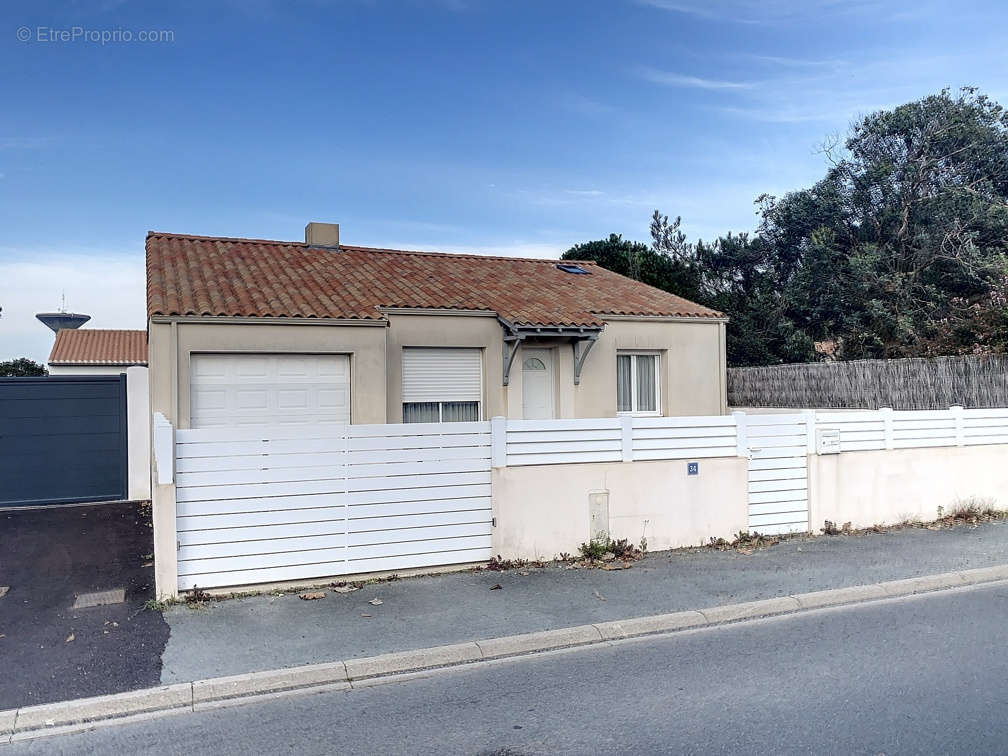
(700, 10)
(763, 11)
(672, 79)
(785, 62)
(111, 289)
(22, 143)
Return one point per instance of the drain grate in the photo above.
(100, 598)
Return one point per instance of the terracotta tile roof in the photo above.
(95, 346)
(209, 276)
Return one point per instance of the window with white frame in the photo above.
(441, 385)
(638, 385)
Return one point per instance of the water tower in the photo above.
(63, 319)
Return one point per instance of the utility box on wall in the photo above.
(598, 514)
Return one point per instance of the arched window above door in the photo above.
(533, 363)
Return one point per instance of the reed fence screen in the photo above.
(920, 383)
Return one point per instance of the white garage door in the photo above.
(252, 389)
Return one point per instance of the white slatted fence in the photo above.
(545, 442)
(885, 429)
(684, 437)
(615, 439)
(985, 426)
(859, 431)
(264, 504)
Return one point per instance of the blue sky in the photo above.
(511, 127)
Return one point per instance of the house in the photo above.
(247, 331)
(93, 351)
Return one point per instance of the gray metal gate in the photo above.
(62, 439)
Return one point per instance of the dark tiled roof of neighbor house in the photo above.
(96, 346)
(210, 276)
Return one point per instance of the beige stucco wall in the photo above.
(162, 373)
(692, 366)
(544, 510)
(364, 344)
(692, 362)
(446, 331)
(886, 487)
(692, 369)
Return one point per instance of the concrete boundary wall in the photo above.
(887, 487)
(544, 510)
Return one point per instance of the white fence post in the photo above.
(957, 411)
(887, 425)
(741, 434)
(810, 439)
(626, 437)
(498, 442)
(164, 449)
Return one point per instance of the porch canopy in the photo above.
(581, 338)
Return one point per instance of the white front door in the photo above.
(253, 389)
(538, 401)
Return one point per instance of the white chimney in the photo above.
(322, 234)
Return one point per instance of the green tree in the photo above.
(642, 263)
(734, 274)
(905, 234)
(21, 367)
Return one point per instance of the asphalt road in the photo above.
(925, 674)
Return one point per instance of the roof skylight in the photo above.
(577, 269)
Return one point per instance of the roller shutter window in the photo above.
(442, 385)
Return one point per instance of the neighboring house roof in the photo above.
(208, 276)
(95, 346)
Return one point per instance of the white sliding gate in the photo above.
(778, 472)
(289, 502)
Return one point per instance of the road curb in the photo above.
(81, 710)
(270, 681)
(546, 640)
(410, 661)
(35, 721)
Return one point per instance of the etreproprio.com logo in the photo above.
(83, 35)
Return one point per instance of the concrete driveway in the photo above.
(52, 559)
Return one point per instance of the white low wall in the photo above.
(868, 488)
(138, 427)
(545, 510)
